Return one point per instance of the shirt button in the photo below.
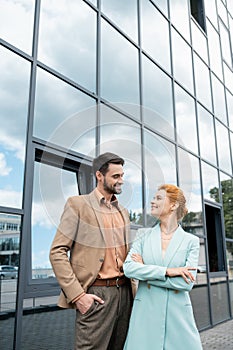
(101, 260)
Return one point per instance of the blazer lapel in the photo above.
(94, 203)
(155, 245)
(174, 245)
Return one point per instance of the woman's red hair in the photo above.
(176, 195)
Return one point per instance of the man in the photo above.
(94, 229)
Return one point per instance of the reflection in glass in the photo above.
(59, 113)
(157, 98)
(219, 99)
(49, 198)
(214, 50)
(189, 182)
(180, 9)
(206, 134)
(227, 202)
(14, 83)
(67, 40)
(210, 182)
(182, 64)
(199, 41)
(124, 14)
(155, 44)
(160, 166)
(16, 23)
(120, 136)
(223, 146)
(225, 44)
(219, 300)
(119, 67)
(202, 80)
(230, 109)
(185, 119)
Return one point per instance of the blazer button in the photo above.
(101, 260)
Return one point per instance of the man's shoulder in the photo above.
(78, 198)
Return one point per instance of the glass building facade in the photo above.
(149, 80)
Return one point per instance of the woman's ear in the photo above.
(174, 206)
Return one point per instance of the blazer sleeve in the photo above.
(178, 283)
(140, 271)
(61, 245)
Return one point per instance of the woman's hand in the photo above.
(181, 271)
(137, 258)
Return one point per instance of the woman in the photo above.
(164, 260)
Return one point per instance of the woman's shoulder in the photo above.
(146, 231)
(190, 236)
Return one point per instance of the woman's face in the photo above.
(160, 204)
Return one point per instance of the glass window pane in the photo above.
(202, 80)
(214, 50)
(225, 44)
(16, 23)
(199, 294)
(121, 136)
(182, 64)
(219, 300)
(210, 182)
(230, 109)
(67, 40)
(124, 14)
(227, 202)
(14, 82)
(185, 119)
(219, 99)
(211, 12)
(157, 98)
(51, 188)
(229, 246)
(189, 181)
(228, 77)
(199, 41)
(223, 147)
(160, 167)
(206, 135)
(59, 113)
(119, 67)
(180, 9)
(162, 4)
(10, 229)
(155, 44)
(222, 11)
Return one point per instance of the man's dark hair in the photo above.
(102, 162)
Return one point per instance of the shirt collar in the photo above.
(102, 199)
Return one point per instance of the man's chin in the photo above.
(118, 190)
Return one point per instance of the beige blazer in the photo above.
(80, 232)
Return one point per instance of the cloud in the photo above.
(4, 169)
(10, 143)
(10, 198)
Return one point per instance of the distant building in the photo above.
(9, 239)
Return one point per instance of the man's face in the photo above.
(113, 179)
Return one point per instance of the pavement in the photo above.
(53, 329)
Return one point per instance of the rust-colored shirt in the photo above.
(114, 231)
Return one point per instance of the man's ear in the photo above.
(98, 175)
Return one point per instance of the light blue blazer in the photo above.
(162, 316)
